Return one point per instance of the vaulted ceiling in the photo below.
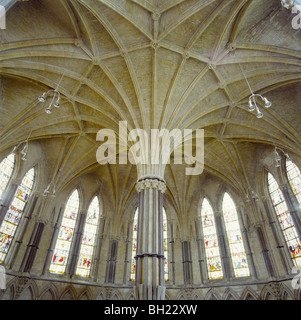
(155, 64)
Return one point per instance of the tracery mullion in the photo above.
(294, 179)
(285, 220)
(88, 243)
(235, 241)
(7, 166)
(213, 258)
(65, 236)
(15, 212)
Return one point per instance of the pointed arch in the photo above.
(286, 293)
(230, 295)
(213, 259)
(85, 295)
(49, 293)
(181, 297)
(249, 294)
(238, 254)
(101, 294)
(269, 292)
(294, 177)
(68, 294)
(11, 289)
(30, 290)
(89, 239)
(26, 294)
(134, 246)
(212, 295)
(165, 247)
(7, 166)
(65, 236)
(167, 296)
(297, 294)
(8, 294)
(130, 296)
(15, 212)
(285, 220)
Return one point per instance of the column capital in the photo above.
(152, 183)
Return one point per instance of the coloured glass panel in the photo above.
(165, 239)
(294, 178)
(14, 213)
(214, 265)
(65, 236)
(134, 246)
(238, 254)
(6, 170)
(285, 219)
(89, 239)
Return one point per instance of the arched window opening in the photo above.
(165, 239)
(134, 246)
(238, 254)
(6, 169)
(294, 178)
(65, 236)
(285, 219)
(14, 213)
(213, 259)
(89, 239)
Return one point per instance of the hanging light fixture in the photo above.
(252, 99)
(56, 97)
(24, 150)
(251, 195)
(277, 156)
(288, 4)
(47, 190)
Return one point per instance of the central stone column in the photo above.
(149, 279)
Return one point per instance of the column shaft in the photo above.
(149, 279)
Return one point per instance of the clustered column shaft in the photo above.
(149, 279)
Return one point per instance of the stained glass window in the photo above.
(134, 246)
(294, 178)
(286, 222)
(65, 236)
(165, 245)
(89, 239)
(214, 265)
(14, 213)
(238, 254)
(6, 170)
